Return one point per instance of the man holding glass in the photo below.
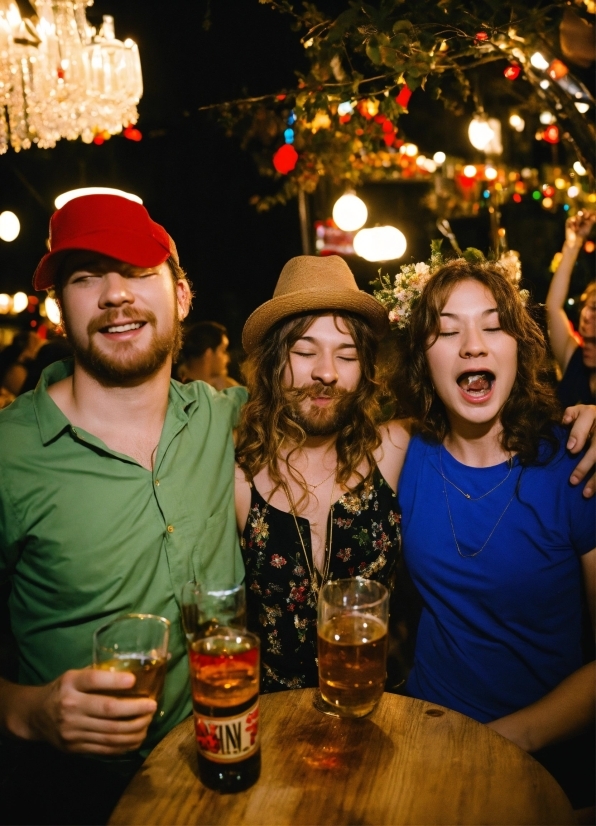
(116, 488)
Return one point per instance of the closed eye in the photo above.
(445, 334)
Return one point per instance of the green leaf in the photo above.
(372, 51)
(402, 26)
(473, 255)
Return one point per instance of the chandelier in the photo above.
(60, 78)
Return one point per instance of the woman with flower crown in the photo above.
(494, 536)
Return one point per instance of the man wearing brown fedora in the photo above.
(317, 473)
(116, 488)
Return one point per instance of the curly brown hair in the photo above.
(266, 424)
(531, 411)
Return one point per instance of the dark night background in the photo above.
(197, 182)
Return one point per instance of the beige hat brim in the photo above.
(318, 300)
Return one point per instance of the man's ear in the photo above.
(183, 298)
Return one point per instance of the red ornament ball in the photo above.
(481, 36)
(512, 71)
(285, 159)
(551, 134)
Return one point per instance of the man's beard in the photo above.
(129, 365)
(323, 421)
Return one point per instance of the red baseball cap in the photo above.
(107, 224)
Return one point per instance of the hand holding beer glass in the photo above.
(137, 643)
(353, 616)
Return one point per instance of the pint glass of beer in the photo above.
(137, 643)
(224, 675)
(352, 624)
(203, 609)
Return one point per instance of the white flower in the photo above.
(422, 268)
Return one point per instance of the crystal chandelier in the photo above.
(60, 78)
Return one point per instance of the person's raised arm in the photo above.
(582, 418)
(73, 715)
(562, 341)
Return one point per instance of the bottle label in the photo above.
(228, 739)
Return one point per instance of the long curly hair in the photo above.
(531, 411)
(266, 425)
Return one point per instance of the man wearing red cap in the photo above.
(116, 488)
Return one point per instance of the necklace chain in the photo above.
(316, 579)
(318, 485)
(467, 495)
(468, 556)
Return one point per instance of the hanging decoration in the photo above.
(61, 78)
(365, 65)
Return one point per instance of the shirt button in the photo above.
(157, 483)
(170, 529)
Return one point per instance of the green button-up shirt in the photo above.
(87, 533)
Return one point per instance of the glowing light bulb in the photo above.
(547, 117)
(573, 191)
(350, 212)
(485, 135)
(582, 108)
(52, 310)
(579, 168)
(470, 171)
(490, 173)
(380, 243)
(538, 61)
(20, 302)
(439, 157)
(10, 226)
(517, 122)
(5, 303)
(411, 150)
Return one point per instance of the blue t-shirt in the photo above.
(499, 629)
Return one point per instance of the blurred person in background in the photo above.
(204, 355)
(576, 361)
(16, 359)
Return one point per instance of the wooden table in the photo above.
(409, 762)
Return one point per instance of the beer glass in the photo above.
(137, 643)
(203, 609)
(353, 615)
(224, 675)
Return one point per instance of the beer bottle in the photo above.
(224, 668)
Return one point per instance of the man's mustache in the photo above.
(109, 317)
(315, 391)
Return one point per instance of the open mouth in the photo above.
(477, 384)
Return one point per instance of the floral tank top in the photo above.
(281, 604)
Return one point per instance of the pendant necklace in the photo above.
(467, 556)
(467, 495)
(316, 578)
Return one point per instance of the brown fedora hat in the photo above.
(309, 283)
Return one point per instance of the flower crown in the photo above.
(399, 298)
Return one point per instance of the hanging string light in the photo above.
(60, 78)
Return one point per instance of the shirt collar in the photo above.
(52, 421)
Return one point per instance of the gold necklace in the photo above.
(316, 579)
(468, 556)
(467, 495)
(318, 485)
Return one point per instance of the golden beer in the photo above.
(150, 673)
(352, 662)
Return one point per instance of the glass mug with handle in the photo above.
(204, 609)
(352, 628)
(137, 643)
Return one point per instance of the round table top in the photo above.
(409, 762)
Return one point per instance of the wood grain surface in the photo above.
(409, 762)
